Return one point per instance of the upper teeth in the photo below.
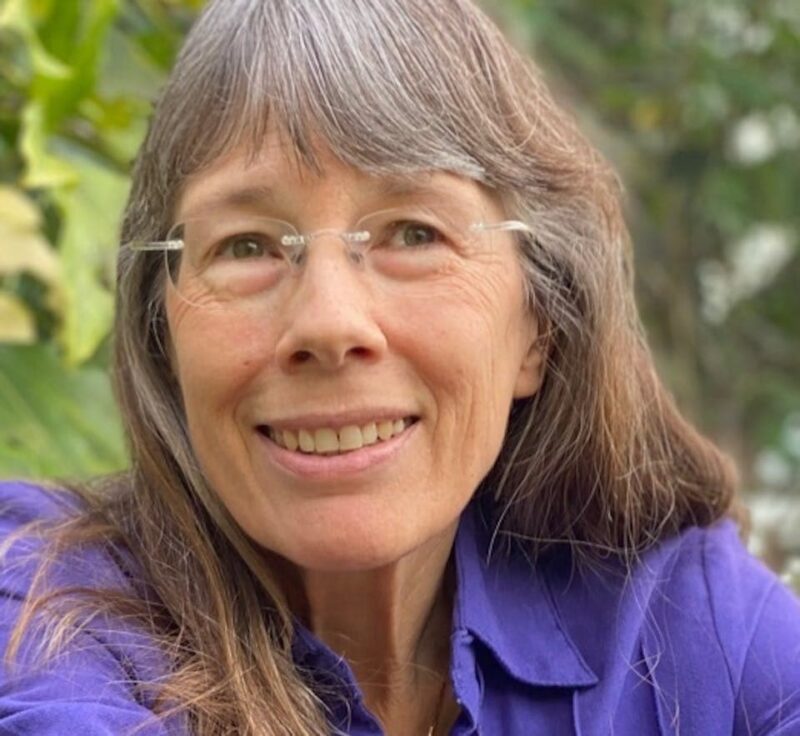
(326, 441)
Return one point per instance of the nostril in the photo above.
(300, 357)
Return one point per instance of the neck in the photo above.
(391, 623)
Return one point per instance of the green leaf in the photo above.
(76, 32)
(17, 324)
(87, 245)
(15, 16)
(42, 168)
(55, 421)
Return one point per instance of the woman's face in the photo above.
(332, 350)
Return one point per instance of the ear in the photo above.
(532, 368)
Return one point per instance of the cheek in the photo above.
(216, 359)
(463, 342)
(482, 319)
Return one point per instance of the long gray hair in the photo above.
(598, 460)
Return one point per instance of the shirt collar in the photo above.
(507, 605)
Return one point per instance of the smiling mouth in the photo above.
(327, 441)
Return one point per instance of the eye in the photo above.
(246, 247)
(415, 235)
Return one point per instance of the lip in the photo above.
(335, 467)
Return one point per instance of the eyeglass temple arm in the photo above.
(175, 244)
(505, 225)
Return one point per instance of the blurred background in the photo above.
(697, 103)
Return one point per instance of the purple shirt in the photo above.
(698, 639)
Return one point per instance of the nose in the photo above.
(328, 318)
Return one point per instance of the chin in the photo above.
(347, 532)
(345, 543)
(356, 551)
(321, 559)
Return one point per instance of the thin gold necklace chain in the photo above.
(437, 715)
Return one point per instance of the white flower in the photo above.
(752, 140)
(752, 263)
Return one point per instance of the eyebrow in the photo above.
(248, 196)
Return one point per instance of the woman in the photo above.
(401, 462)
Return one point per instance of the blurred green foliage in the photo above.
(77, 80)
(695, 101)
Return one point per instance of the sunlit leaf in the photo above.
(17, 324)
(22, 247)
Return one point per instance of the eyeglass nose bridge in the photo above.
(298, 244)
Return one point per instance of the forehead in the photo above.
(276, 177)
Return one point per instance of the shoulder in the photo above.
(713, 576)
(702, 574)
(22, 502)
(27, 511)
(34, 558)
(711, 630)
(709, 576)
(756, 620)
(751, 625)
(91, 682)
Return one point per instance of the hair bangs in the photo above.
(381, 85)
